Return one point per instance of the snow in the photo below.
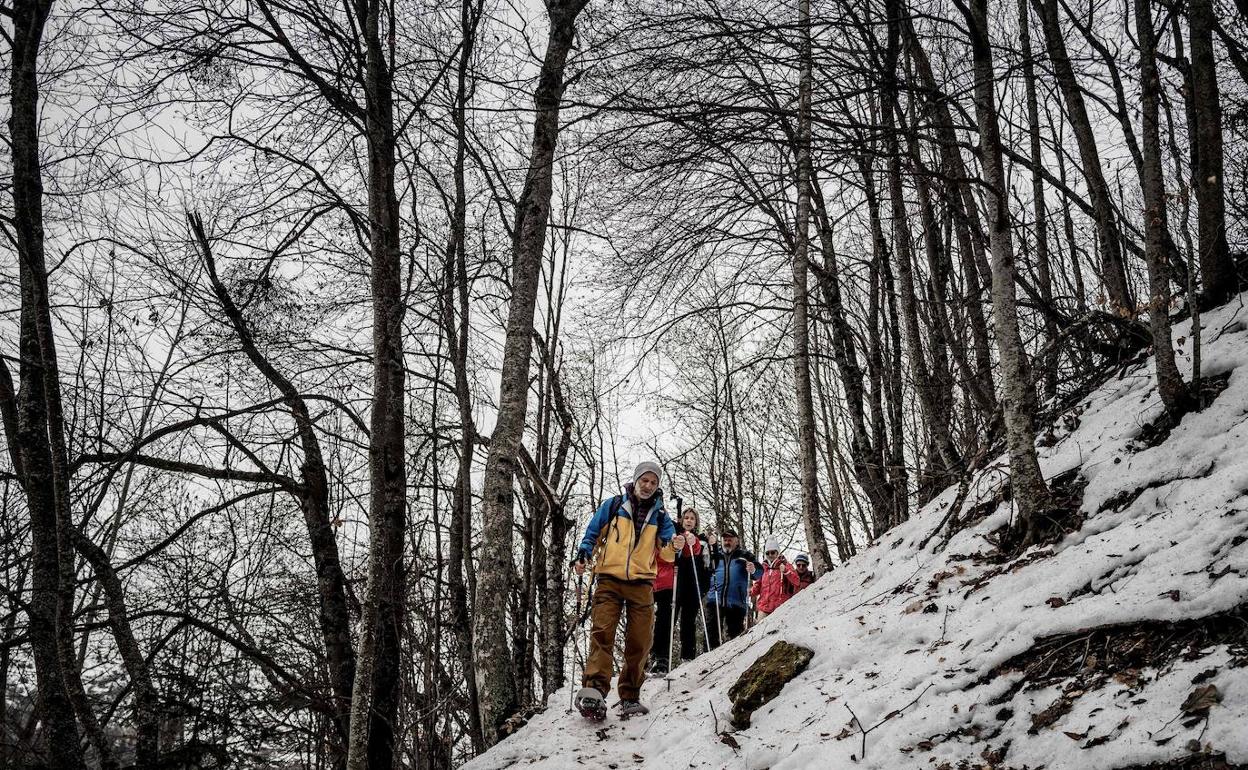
(922, 683)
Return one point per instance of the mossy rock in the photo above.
(765, 678)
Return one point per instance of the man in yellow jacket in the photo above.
(625, 538)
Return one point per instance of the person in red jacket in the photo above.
(804, 575)
(690, 588)
(779, 581)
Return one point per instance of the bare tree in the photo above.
(1118, 297)
(1209, 181)
(33, 415)
(1031, 494)
(495, 679)
(815, 539)
(1174, 392)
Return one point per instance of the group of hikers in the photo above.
(658, 573)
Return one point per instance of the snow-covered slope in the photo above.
(948, 658)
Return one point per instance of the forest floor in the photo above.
(1121, 642)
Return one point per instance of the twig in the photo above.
(888, 716)
(710, 703)
(885, 592)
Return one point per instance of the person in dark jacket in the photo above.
(728, 601)
(690, 574)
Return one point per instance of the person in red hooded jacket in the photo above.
(690, 588)
(780, 581)
(804, 575)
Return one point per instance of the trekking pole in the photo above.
(671, 610)
(697, 585)
(671, 621)
(719, 601)
(749, 596)
(576, 647)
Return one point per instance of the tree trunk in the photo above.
(146, 702)
(961, 202)
(1174, 393)
(1030, 492)
(868, 467)
(35, 409)
(816, 542)
(926, 383)
(1068, 228)
(1217, 269)
(376, 691)
(887, 443)
(1043, 268)
(840, 524)
(495, 680)
(1113, 272)
(334, 615)
(455, 314)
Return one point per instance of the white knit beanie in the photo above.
(772, 545)
(647, 466)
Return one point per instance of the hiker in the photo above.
(691, 578)
(805, 576)
(626, 537)
(728, 600)
(780, 581)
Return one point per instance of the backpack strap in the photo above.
(617, 503)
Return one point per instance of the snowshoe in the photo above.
(591, 704)
(631, 708)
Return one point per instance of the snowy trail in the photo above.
(909, 639)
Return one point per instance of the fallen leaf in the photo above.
(913, 607)
(728, 740)
(1129, 678)
(1055, 602)
(1200, 700)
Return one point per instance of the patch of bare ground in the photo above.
(1089, 659)
(1193, 762)
(989, 759)
(1156, 432)
(1063, 516)
(1086, 660)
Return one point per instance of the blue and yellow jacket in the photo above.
(619, 552)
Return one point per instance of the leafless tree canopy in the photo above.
(325, 326)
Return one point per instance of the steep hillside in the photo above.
(1121, 643)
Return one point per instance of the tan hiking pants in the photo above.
(613, 598)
